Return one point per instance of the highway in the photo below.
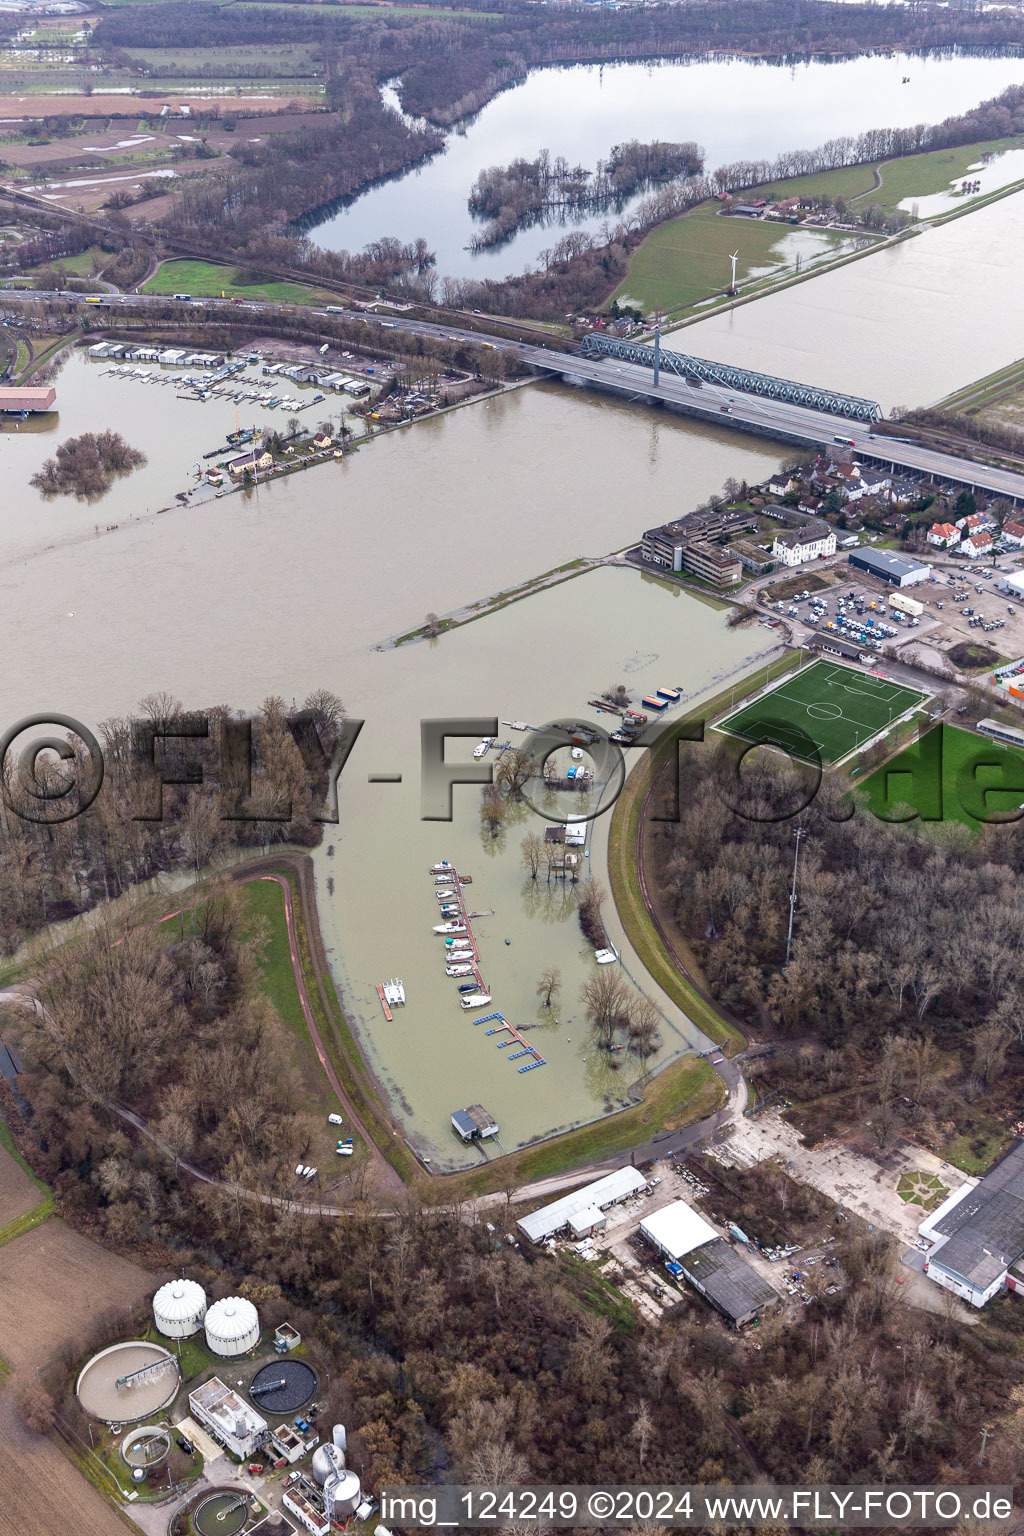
(712, 403)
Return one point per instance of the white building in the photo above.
(978, 1232)
(305, 1511)
(230, 1421)
(813, 541)
(944, 535)
(590, 1202)
(979, 543)
(677, 1229)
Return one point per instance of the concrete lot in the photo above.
(859, 1182)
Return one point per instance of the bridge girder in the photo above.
(743, 379)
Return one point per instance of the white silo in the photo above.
(179, 1308)
(341, 1489)
(232, 1326)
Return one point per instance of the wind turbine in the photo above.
(734, 257)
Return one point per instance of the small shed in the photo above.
(473, 1122)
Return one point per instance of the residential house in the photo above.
(975, 544)
(1013, 534)
(815, 540)
(946, 536)
(976, 523)
(257, 460)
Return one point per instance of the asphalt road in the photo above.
(711, 402)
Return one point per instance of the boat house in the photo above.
(474, 1122)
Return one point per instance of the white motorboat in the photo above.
(475, 1000)
(444, 866)
(449, 927)
(605, 956)
(458, 970)
(394, 992)
(444, 893)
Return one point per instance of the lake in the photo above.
(736, 108)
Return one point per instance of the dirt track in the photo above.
(131, 106)
(17, 1192)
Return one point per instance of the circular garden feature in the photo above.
(283, 1386)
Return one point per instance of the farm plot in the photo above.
(53, 1283)
(37, 1480)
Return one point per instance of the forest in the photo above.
(905, 969)
(133, 829)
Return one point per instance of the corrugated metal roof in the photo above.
(983, 1233)
(727, 1280)
(607, 1191)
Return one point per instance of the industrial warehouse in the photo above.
(721, 1274)
(977, 1234)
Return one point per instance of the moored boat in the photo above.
(475, 1000)
(458, 970)
(449, 927)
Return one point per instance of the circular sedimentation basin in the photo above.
(222, 1514)
(104, 1394)
(146, 1446)
(283, 1386)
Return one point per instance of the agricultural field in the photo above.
(53, 1283)
(836, 707)
(998, 398)
(18, 1194)
(993, 778)
(37, 1479)
(204, 279)
(686, 259)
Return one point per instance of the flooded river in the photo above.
(736, 108)
(293, 587)
(904, 325)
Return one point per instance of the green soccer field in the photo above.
(837, 708)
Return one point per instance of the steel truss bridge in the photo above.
(850, 406)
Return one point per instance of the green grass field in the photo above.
(204, 279)
(952, 775)
(687, 259)
(921, 175)
(837, 708)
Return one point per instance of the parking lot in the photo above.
(963, 604)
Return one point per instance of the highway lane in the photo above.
(712, 402)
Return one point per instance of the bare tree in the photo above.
(549, 985)
(605, 996)
(532, 848)
(492, 809)
(431, 626)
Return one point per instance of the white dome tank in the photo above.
(179, 1308)
(232, 1326)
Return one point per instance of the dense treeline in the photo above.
(86, 465)
(131, 831)
(526, 191)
